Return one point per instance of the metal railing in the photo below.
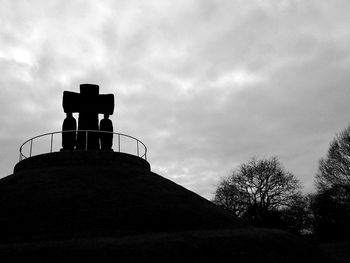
(130, 145)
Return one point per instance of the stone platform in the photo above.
(81, 158)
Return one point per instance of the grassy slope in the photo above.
(95, 213)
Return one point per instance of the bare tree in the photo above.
(257, 189)
(331, 203)
(334, 169)
(228, 196)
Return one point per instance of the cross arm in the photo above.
(105, 104)
(71, 102)
(75, 102)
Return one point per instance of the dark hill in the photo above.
(109, 195)
(109, 207)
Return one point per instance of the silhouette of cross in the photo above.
(88, 103)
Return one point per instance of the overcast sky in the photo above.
(205, 84)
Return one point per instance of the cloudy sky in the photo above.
(205, 84)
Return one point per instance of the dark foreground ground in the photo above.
(337, 251)
(237, 245)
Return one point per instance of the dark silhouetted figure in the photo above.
(106, 138)
(68, 138)
(89, 103)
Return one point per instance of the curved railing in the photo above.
(48, 143)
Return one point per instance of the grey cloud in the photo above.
(166, 61)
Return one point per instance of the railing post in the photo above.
(137, 143)
(86, 140)
(31, 147)
(118, 142)
(51, 142)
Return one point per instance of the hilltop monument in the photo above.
(90, 202)
(92, 188)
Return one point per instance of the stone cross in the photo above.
(88, 103)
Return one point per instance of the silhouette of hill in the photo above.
(95, 205)
(71, 200)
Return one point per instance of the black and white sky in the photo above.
(205, 84)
